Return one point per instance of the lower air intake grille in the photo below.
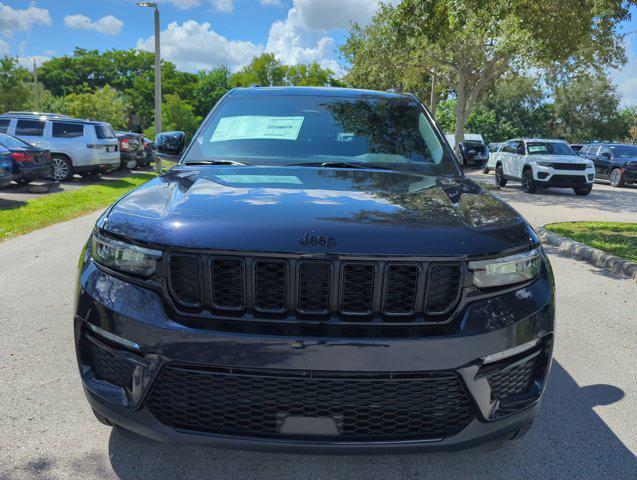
(185, 279)
(256, 403)
(358, 288)
(513, 381)
(270, 286)
(108, 366)
(443, 287)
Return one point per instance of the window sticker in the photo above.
(251, 127)
(537, 148)
(252, 179)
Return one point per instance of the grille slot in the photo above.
(513, 381)
(443, 288)
(569, 166)
(227, 283)
(314, 288)
(185, 279)
(424, 405)
(270, 287)
(401, 289)
(108, 366)
(358, 288)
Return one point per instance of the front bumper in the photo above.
(552, 177)
(156, 340)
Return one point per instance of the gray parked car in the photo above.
(76, 146)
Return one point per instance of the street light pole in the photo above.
(36, 90)
(157, 77)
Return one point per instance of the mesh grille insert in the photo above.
(513, 381)
(185, 279)
(444, 281)
(402, 282)
(227, 283)
(314, 288)
(271, 286)
(108, 366)
(358, 288)
(423, 406)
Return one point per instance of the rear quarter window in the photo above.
(67, 130)
(104, 132)
(30, 128)
(4, 125)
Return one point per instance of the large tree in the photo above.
(469, 44)
(15, 87)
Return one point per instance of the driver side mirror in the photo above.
(606, 155)
(170, 145)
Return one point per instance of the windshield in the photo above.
(549, 148)
(286, 130)
(12, 142)
(624, 151)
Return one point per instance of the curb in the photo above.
(592, 255)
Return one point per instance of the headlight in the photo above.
(545, 164)
(124, 256)
(496, 272)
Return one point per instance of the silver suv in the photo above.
(77, 146)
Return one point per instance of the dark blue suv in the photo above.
(615, 162)
(316, 275)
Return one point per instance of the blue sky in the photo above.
(204, 33)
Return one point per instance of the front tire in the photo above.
(617, 178)
(500, 181)
(61, 169)
(131, 164)
(528, 184)
(582, 191)
(486, 170)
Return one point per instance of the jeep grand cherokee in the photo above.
(315, 275)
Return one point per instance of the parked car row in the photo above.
(541, 163)
(22, 162)
(73, 146)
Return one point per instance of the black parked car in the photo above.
(131, 149)
(473, 152)
(615, 162)
(317, 274)
(28, 162)
(6, 167)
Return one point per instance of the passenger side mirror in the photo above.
(170, 145)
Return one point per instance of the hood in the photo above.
(284, 209)
(559, 158)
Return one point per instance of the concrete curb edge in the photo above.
(592, 255)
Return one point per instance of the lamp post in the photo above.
(157, 77)
(36, 90)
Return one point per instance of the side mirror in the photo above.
(606, 155)
(170, 145)
(520, 151)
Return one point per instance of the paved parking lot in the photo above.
(586, 427)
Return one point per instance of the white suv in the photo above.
(77, 146)
(538, 162)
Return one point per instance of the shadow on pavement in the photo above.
(568, 440)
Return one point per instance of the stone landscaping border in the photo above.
(592, 255)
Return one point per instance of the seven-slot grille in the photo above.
(255, 403)
(357, 289)
(569, 166)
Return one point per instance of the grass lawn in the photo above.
(616, 238)
(40, 212)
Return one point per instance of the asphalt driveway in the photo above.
(586, 427)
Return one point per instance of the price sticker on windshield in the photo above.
(257, 127)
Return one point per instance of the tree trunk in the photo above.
(461, 118)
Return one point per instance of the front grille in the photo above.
(108, 366)
(355, 291)
(423, 405)
(513, 381)
(569, 166)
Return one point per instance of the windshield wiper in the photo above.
(214, 162)
(338, 165)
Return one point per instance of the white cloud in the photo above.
(4, 48)
(333, 14)
(108, 25)
(225, 6)
(184, 4)
(12, 20)
(193, 45)
(27, 62)
(270, 2)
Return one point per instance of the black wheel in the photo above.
(583, 191)
(486, 170)
(528, 184)
(131, 164)
(500, 181)
(61, 169)
(102, 419)
(617, 178)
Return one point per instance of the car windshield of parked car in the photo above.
(11, 142)
(624, 151)
(549, 148)
(298, 130)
